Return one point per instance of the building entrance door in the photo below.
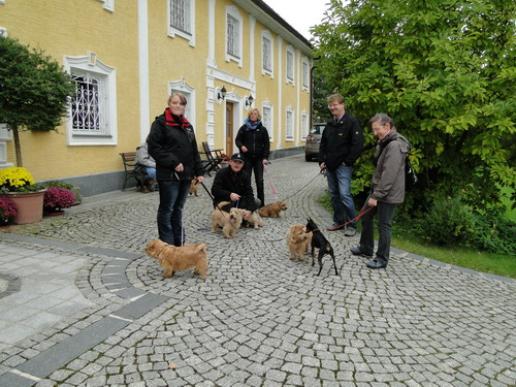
(229, 128)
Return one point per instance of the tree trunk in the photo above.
(17, 146)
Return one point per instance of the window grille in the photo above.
(290, 66)
(180, 17)
(87, 105)
(290, 125)
(305, 74)
(233, 38)
(267, 48)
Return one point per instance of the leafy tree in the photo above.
(445, 71)
(33, 90)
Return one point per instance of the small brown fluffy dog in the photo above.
(254, 219)
(273, 210)
(229, 221)
(173, 258)
(193, 187)
(298, 241)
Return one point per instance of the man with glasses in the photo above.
(341, 144)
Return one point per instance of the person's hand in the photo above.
(199, 179)
(244, 149)
(265, 162)
(234, 197)
(322, 166)
(180, 167)
(372, 202)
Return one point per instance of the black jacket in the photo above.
(256, 141)
(170, 146)
(341, 142)
(227, 181)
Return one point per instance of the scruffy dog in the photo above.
(298, 241)
(193, 187)
(273, 210)
(254, 219)
(319, 241)
(229, 221)
(173, 258)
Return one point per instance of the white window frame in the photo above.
(304, 125)
(268, 125)
(290, 111)
(182, 86)
(109, 5)
(2, 2)
(91, 64)
(290, 50)
(173, 31)
(5, 135)
(306, 75)
(3, 31)
(232, 11)
(267, 35)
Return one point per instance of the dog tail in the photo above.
(222, 204)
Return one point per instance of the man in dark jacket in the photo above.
(388, 190)
(233, 184)
(173, 146)
(341, 144)
(253, 141)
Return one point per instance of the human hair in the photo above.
(383, 119)
(257, 112)
(335, 98)
(181, 96)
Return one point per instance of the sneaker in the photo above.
(356, 250)
(335, 227)
(350, 231)
(377, 263)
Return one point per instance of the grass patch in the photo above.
(500, 264)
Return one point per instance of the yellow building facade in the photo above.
(126, 57)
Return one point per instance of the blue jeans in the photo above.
(150, 172)
(172, 197)
(339, 185)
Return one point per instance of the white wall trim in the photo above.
(267, 34)
(3, 32)
(182, 86)
(211, 33)
(143, 69)
(90, 63)
(280, 90)
(230, 78)
(252, 28)
(109, 5)
(173, 32)
(234, 12)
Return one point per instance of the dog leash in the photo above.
(365, 209)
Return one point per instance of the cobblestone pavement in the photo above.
(261, 319)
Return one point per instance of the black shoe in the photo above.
(377, 263)
(356, 250)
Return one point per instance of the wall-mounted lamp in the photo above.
(249, 101)
(221, 94)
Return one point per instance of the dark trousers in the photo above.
(172, 197)
(256, 164)
(385, 214)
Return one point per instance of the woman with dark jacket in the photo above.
(253, 141)
(173, 146)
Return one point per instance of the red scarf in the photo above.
(175, 121)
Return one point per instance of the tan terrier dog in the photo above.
(254, 219)
(194, 185)
(174, 258)
(273, 210)
(298, 241)
(229, 221)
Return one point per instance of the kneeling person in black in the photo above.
(233, 184)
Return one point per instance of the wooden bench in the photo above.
(130, 168)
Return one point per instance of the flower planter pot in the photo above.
(29, 205)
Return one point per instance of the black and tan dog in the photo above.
(320, 242)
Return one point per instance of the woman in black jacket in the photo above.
(253, 141)
(173, 146)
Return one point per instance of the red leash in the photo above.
(362, 212)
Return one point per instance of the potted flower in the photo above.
(57, 198)
(8, 211)
(17, 184)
